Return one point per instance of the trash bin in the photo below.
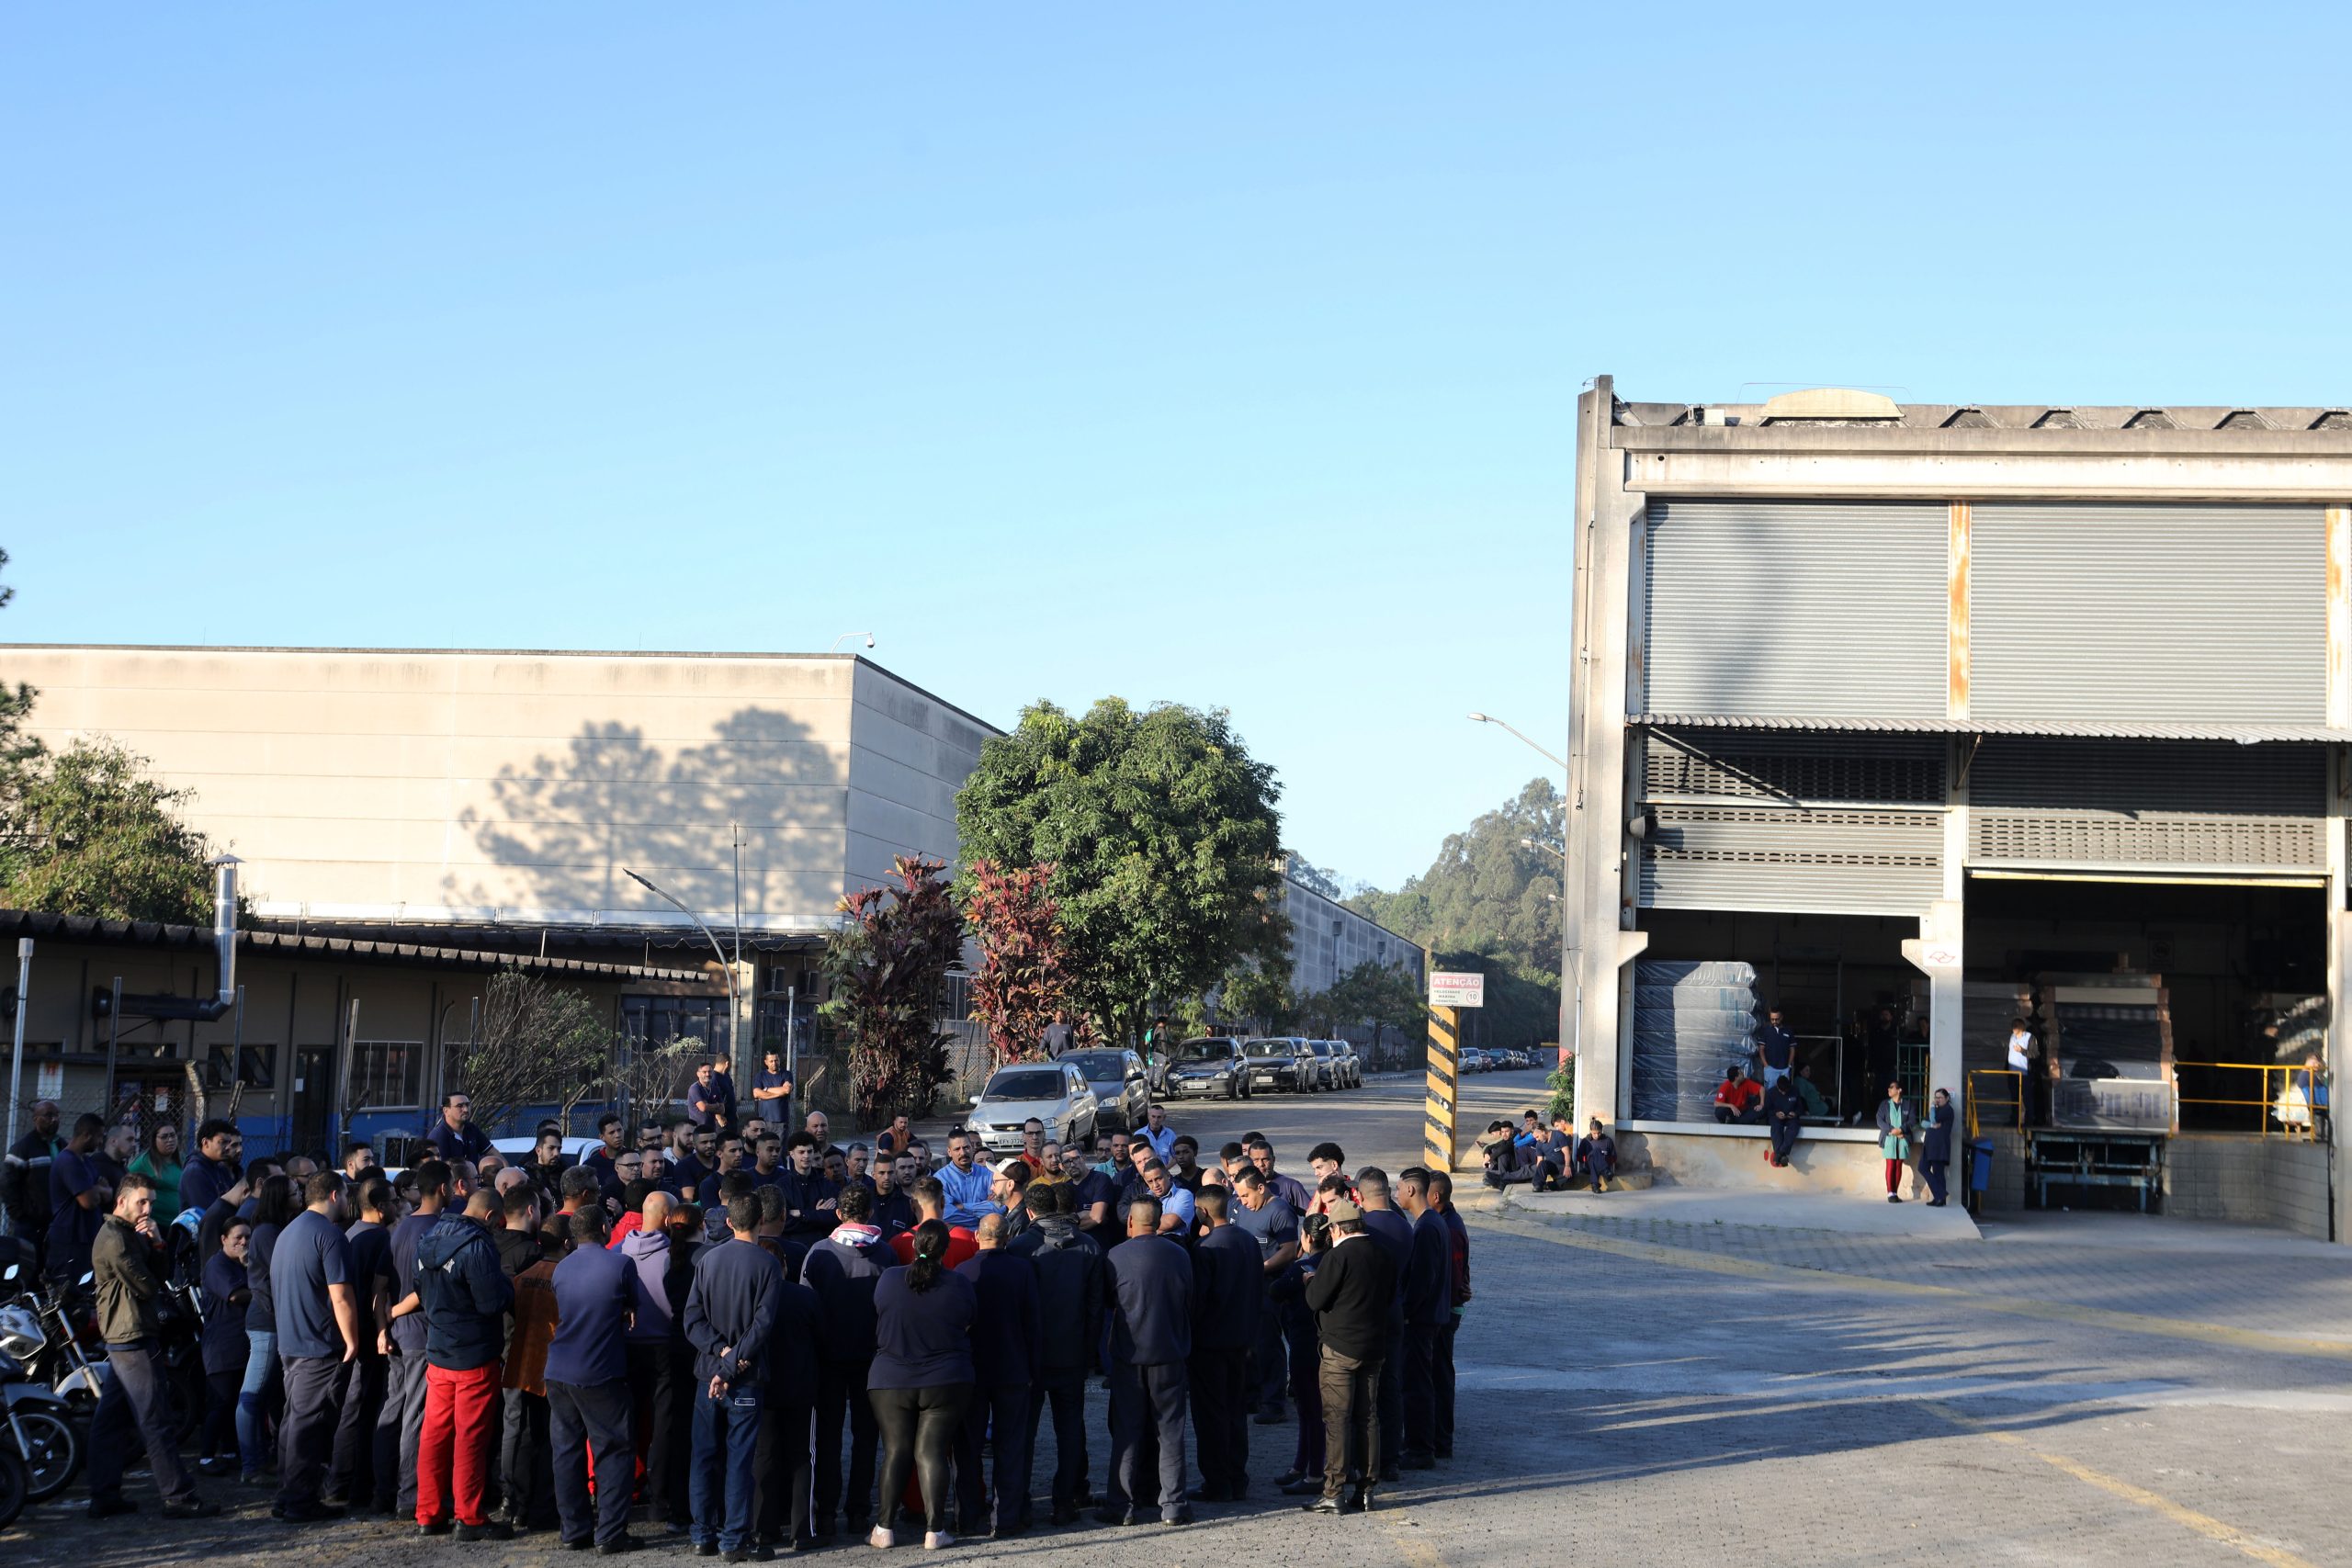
(1980, 1164)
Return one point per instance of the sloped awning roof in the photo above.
(41, 925)
(2105, 729)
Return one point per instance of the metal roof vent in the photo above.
(2334, 418)
(2244, 419)
(2150, 419)
(1968, 419)
(1831, 405)
(2057, 419)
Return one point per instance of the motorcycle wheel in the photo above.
(52, 1453)
(12, 1485)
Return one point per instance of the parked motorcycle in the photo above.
(45, 1329)
(39, 1427)
(13, 1488)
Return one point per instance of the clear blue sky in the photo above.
(1224, 355)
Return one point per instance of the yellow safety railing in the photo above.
(1996, 1088)
(2286, 1095)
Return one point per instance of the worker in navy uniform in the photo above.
(1151, 1341)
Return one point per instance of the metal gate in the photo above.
(2168, 614)
(1794, 609)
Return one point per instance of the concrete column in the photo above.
(2339, 966)
(1936, 952)
(1599, 902)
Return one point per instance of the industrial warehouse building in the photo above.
(1915, 720)
(444, 808)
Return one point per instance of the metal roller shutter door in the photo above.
(1795, 608)
(2146, 612)
(2147, 805)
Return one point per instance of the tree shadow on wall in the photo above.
(567, 825)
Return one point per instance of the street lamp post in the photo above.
(734, 1002)
(1571, 987)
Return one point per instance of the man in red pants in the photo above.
(465, 1295)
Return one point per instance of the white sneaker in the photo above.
(933, 1540)
(882, 1536)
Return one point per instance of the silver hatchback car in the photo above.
(1052, 1092)
(1118, 1079)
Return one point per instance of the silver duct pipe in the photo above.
(224, 928)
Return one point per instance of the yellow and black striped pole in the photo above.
(1445, 1075)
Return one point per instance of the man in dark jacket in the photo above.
(1006, 1349)
(810, 1201)
(1229, 1278)
(1428, 1305)
(1385, 1225)
(1349, 1295)
(783, 1456)
(657, 1392)
(844, 1269)
(588, 1395)
(1785, 1113)
(452, 1135)
(1071, 1282)
(1151, 1341)
(730, 1316)
(127, 1259)
(465, 1296)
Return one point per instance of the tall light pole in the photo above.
(734, 1003)
(1571, 991)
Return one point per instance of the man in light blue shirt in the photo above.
(966, 1184)
(1155, 1132)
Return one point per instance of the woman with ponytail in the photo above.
(922, 1379)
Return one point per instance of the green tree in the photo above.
(17, 750)
(89, 832)
(1487, 903)
(1162, 834)
(1258, 993)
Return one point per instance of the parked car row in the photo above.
(1479, 1059)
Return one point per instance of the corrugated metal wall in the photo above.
(2166, 613)
(2191, 806)
(1816, 823)
(1806, 609)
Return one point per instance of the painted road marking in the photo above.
(2189, 1518)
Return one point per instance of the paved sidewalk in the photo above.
(1740, 1209)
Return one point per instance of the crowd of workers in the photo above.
(752, 1338)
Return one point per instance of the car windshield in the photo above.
(1028, 1083)
(1204, 1051)
(1268, 1047)
(1099, 1065)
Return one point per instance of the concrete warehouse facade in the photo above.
(497, 799)
(1912, 720)
(1327, 939)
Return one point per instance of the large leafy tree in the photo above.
(1487, 903)
(885, 964)
(89, 832)
(1162, 833)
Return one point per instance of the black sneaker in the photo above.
(109, 1507)
(581, 1543)
(438, 1527)
(197, 1509)
(491, 1530)
(618, 1545)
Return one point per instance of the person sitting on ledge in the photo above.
(1737, 1098)
(1597, 1155)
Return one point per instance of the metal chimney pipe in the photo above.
(224, 927)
